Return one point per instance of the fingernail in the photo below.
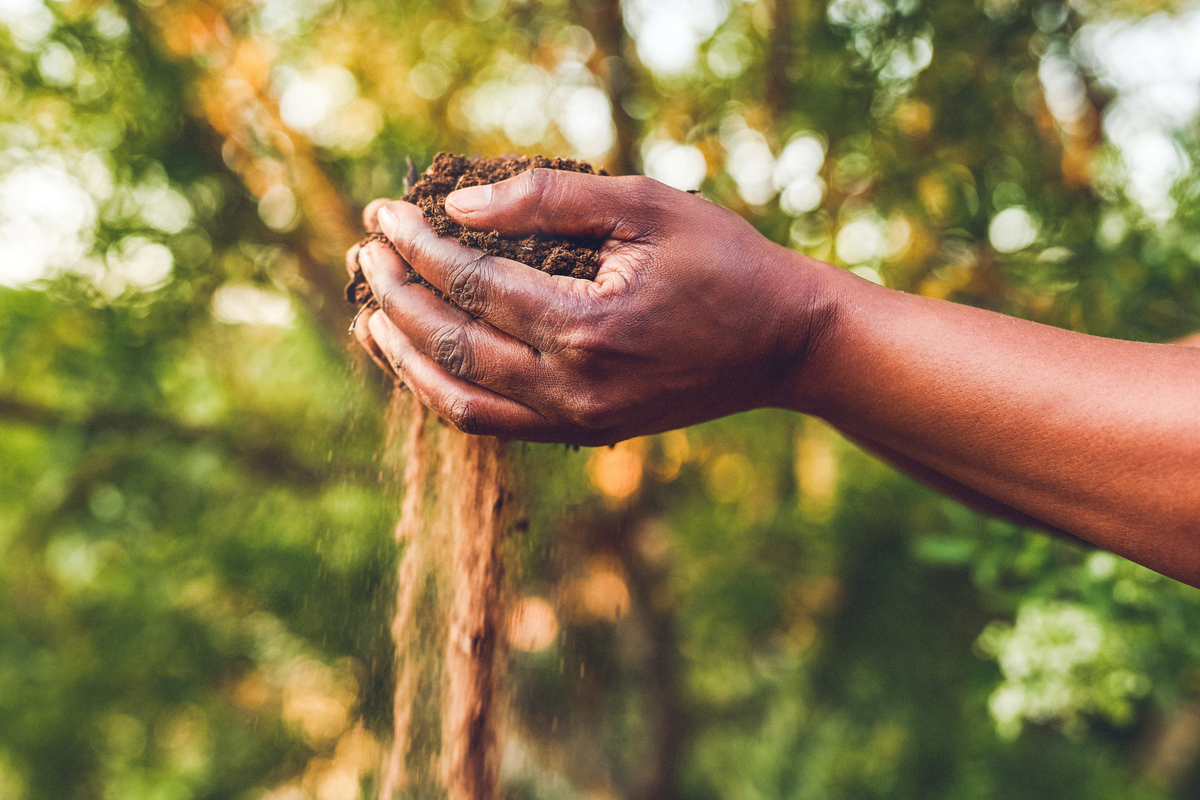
(366, 258)
(471, 199)
(388, 221)
(375, 326)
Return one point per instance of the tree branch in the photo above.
(607, 26)
(235, 101)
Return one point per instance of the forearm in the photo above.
(964, 494)
(1095, 437)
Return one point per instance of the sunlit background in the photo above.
(198, 570)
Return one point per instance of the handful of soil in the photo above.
(555, 255)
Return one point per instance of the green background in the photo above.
(196, 502)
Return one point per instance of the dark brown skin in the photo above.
(694, 315)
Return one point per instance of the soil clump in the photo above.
(578, 258)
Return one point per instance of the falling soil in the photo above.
(577, 258)
(451, 611)
(451, 605)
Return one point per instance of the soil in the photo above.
(578, 258)
(451, 611)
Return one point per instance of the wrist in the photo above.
(818, 316)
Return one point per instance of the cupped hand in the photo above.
(693, 314)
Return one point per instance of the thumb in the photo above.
(559, 203)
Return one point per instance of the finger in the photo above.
(370, 221)
(470, 408)
(352, 260)
(463, 346)
(518, 299)
(559, 203)
(362, 332)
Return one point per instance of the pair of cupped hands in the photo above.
(693, 314)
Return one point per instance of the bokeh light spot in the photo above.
(1012, 229)
(533, 625)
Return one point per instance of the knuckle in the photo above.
(448, 349)
(584, 343)
(420, 247)
(652, 203)
(537, 182)
(580, 352)
(601, 418)
(539, 192)
(385, 295)
(462, 414)
(557, 324)
(643, 186)
(586, 411)
(465, 285)
(640, 191)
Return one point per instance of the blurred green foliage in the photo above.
(197, 500)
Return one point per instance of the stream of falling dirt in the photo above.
(450, 611)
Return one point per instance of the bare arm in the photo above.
(1095, 437)
(694, 315)
(962, 492)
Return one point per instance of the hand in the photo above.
(693, 314)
